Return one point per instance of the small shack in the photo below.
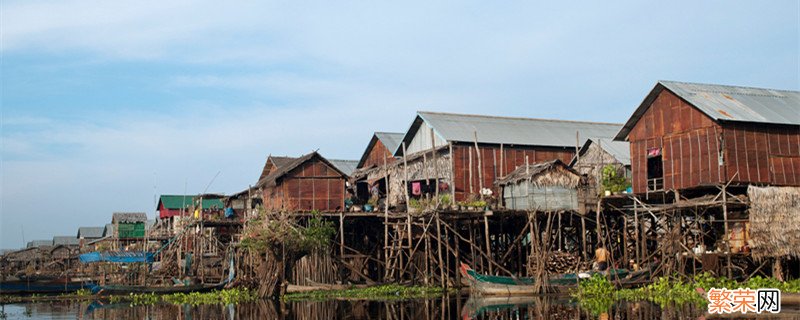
(545, 186)
(370, 174)
(129, 225)
(308, 183)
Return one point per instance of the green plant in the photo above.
(373, 201)
(612, 180)
(445, 200)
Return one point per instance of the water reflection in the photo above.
(438, 309)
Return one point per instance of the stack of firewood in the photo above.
(562, 262)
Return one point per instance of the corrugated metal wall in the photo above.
(697, 151)
(524, 196)
(491, 159)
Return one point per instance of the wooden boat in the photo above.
(508, 286)
(45, 285)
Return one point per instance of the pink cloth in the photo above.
(416, 188)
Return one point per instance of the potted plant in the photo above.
(372, 203)
(612, 181)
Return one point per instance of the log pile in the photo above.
(563, 262)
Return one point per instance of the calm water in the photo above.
(443, 308)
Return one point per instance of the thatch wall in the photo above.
(774, 221)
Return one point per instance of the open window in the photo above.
(655, 170)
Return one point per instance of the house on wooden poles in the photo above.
(697, 151)
(370, 176)
(307, 183)
(460, 154)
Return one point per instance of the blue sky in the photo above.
(106, 103)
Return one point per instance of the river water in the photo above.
(442, 308)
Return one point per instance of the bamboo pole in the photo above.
(435, 165)
(439, 250)
(452, 174)
(480, 166)
(471, 190)
(488, 244)
(386, 219)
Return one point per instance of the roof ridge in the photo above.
(519, 118)
(726, 85)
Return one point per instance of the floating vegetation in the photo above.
(597, 294)
(227, 296)
(384, 292)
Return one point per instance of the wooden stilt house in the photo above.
(688, 136)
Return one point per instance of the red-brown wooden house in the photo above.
(307, 183)
(688, 136)
(504, 144)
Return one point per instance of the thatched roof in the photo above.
(549, 173)
(774, 221)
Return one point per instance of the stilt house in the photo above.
(688, 136)
(473, 151)
(307, 183)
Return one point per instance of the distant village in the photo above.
(701, 177)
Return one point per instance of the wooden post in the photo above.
(502, 161)
(583, 237)
(386, 220)
(405, 171)
(341, 235)
(457, 254)
(442, 276)
(452, 174)
(727, 233)
(480, 166)
(488, 244)
(435, 165)
(637, 239)
(471, 190)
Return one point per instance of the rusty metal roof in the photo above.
(727, 103)
(390, 140)
(620, 150)
(509, 130)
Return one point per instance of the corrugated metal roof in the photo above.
(620, 150)
(108, 230)
(90, 232)
(727, 103)
(508, 130)
(39, 243)
(65, 241)
(391, 140)
(345, 166)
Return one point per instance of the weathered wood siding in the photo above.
(697, 151)
(377, 154)
(762, 154)
(688, 139)
(491, 158)
(311, 186)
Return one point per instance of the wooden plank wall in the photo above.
(311, 186)
(512, 157)
(377, 154)
(763, 154)
(689, 142)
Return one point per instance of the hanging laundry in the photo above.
(416, 188)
